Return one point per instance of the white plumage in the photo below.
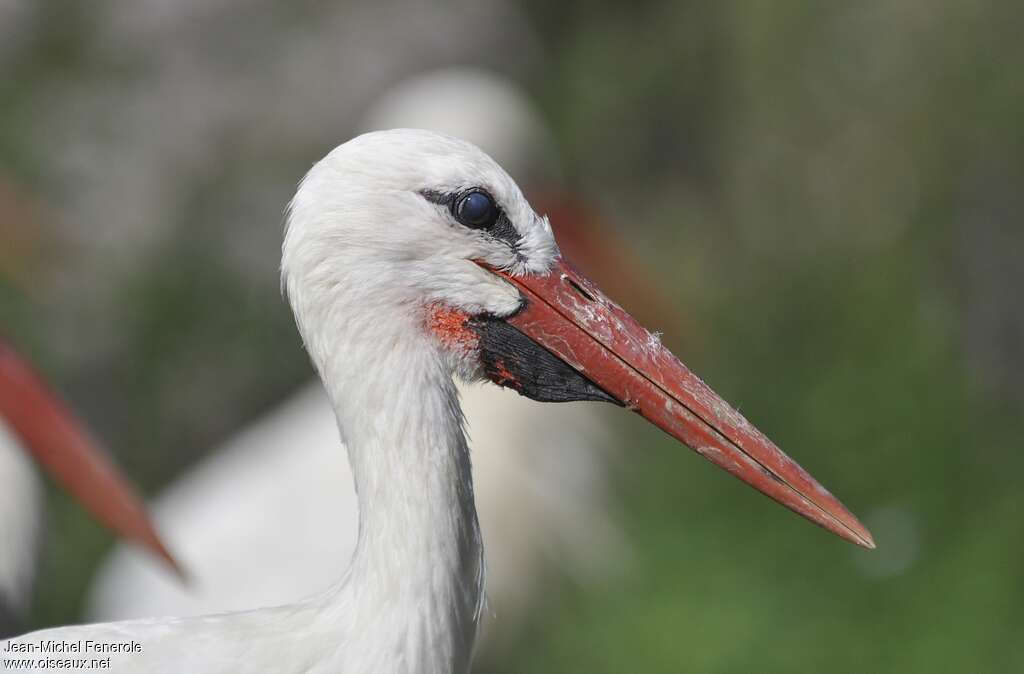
(21, 503)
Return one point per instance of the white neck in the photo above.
(412, 597)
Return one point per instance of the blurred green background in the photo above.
(829, 193)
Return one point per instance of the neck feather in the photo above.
(413, 594)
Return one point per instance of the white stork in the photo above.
(409, 258)
(236, 519)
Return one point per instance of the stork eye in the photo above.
(476, 209)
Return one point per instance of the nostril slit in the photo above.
(578, 288)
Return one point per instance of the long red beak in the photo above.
(66, 451)
(570, 317)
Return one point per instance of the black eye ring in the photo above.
(475, 209)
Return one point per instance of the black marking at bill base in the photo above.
(512, 359)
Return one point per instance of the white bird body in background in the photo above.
(21, 503)
(410, 258)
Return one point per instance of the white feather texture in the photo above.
(365, 257)
(20, 524)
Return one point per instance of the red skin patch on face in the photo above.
(450, 327)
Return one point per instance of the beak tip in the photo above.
(176, 568)
(855, 532)
(867, 541)
(853, 529)
(146, 537)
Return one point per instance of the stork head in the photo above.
(408, 234)
(395, 223)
